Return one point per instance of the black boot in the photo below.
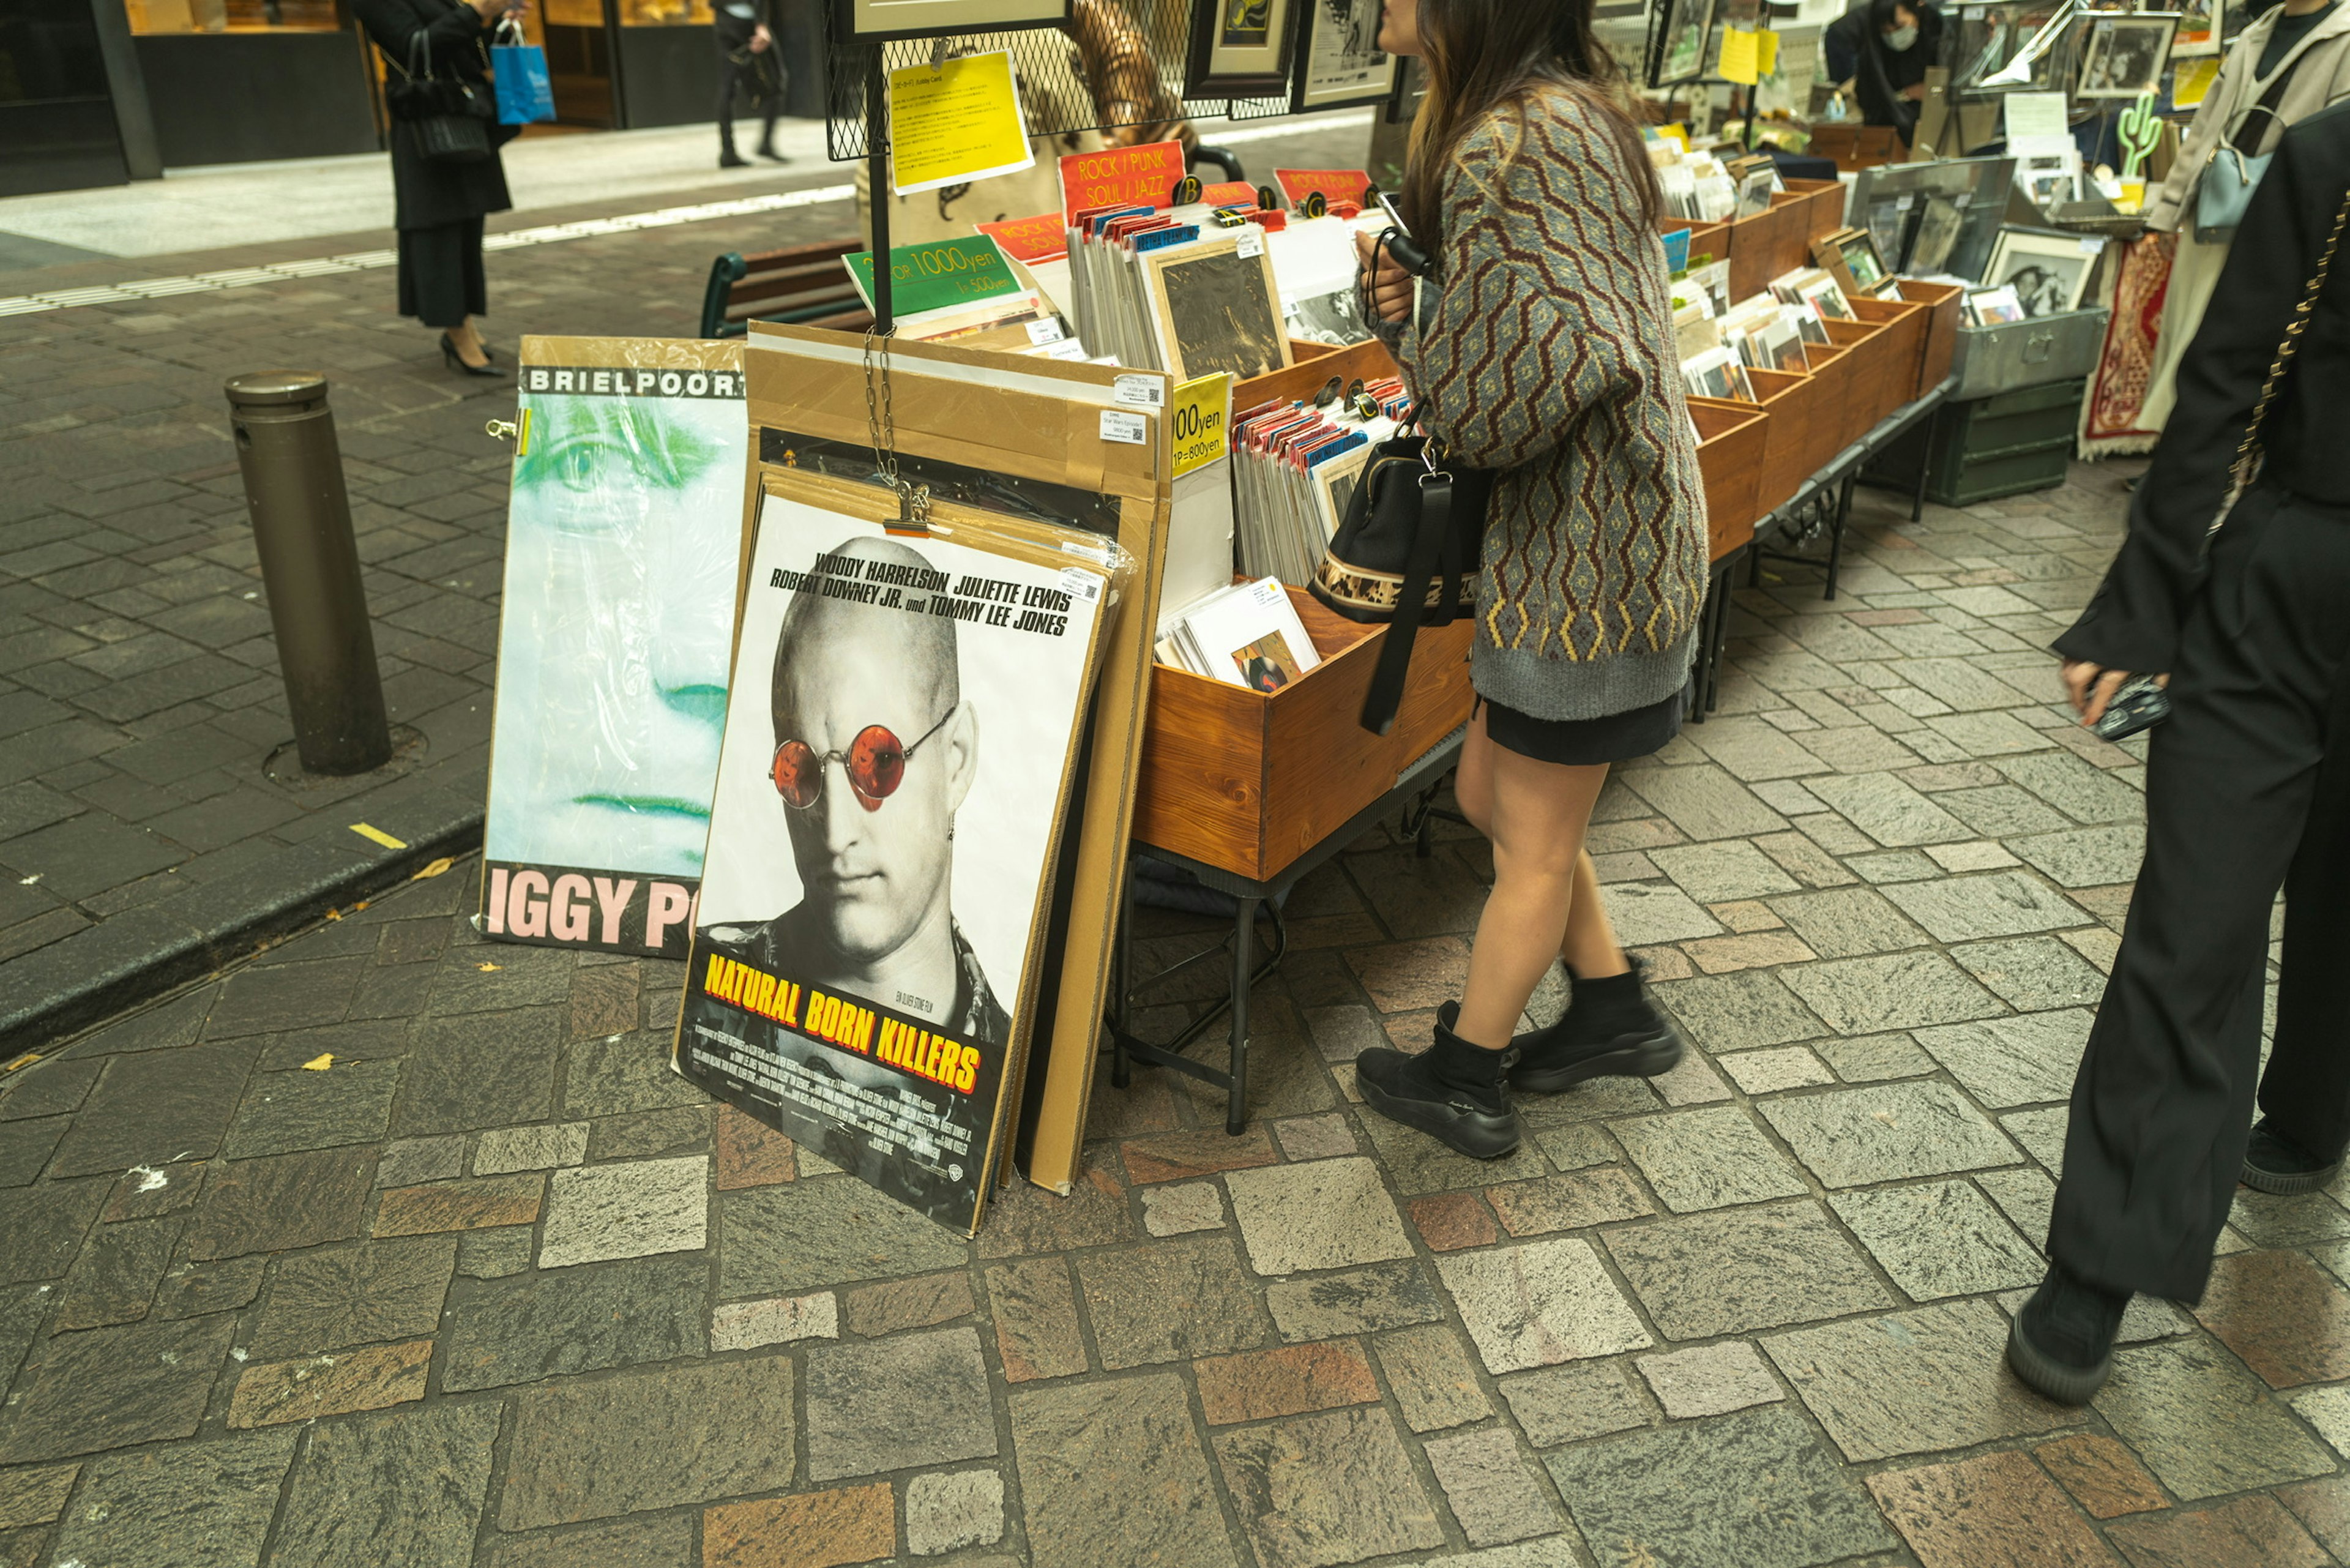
(2062, 1343)
(767, 150)
(1610, 1030)
(2274, 1163)
(730, 159)
(1453, 1090)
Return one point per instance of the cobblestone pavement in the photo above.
(139, 693)
(395, 1247)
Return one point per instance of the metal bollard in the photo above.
(310, 564)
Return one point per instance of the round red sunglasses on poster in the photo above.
(875, 763)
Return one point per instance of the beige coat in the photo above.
(2323, 76)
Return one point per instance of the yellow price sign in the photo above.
(1199, 417)
(956, 121)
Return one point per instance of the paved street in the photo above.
(396, 1247)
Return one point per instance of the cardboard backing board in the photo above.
(1215, 306)
(618, 586)
(899, 742)
(1024, 436)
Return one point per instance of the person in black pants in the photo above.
(2247, 788)
(747, 56)
(438, 207)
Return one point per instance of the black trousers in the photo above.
(2247, 788)
(441, 281)
(766, 91)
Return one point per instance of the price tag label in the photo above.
(1198, 421)
(1252, 242)
(1138, 392)
(1132, 430)
(1080, 584)
(1045, 331)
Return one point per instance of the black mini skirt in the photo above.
(1580, 742)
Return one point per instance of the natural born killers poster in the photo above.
(898, 744)
(623, 535)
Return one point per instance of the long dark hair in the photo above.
(1488, 54)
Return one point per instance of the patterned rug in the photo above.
(2133, 291)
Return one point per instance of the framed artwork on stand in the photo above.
(873, 21)
(2198, 28)
(2049, 272)
(1241, 48)
(1682, 28)
(2122, 55)
(1338, 58)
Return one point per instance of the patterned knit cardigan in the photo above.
(1545, 350)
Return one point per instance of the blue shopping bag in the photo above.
(525, 95)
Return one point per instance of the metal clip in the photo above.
(501, 429)
(939, 46)
(914, 508)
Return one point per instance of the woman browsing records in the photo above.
(1543, 351)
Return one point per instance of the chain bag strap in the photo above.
(2247, 466)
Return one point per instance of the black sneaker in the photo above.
(1610, 1030)
(1452, 1091)
(730, 159)
(2062, 1343)
(2274, 1163)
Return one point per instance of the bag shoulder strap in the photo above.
(2248, 452)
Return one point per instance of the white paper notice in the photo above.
(2037, 116)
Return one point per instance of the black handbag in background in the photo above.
(1405, 553)
(452, 117)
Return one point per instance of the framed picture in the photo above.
(1679, 53)
(1852, 258)
(1241, 48)
(2198, 28)
(2048, 271)
(873, 21)
(2122, 56)
(1215, 308)
(1338, 57)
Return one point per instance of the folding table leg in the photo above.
(1244, 952)
(1842, 514)
(1924, 465)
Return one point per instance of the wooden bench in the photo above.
(807, 285)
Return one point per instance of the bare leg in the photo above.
(1538, 812)
(1591, 950)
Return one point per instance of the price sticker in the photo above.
(1132, 430)
(1198, 420)
(1138, 392)
(1251, 243)
(1045, 331)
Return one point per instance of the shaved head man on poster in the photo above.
(875, 751)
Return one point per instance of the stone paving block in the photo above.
(1287, 1380)
(1913, 1382)
(1360, 1301)
(1491, 1491)
(1686, 1494)
(1416, 1163)
(115, 1277)
(1739, 1012)
(1998, 904)
(404, 1486)
(1775, 1070)
(542, 1147)
(112, 1388)
(485, 1202)
(196, 1505)
(1996, 1511)
(2035, 973)
(1645, 914)
(750, 1152)
(2282, 1314)
(2323, 1509)
(1704, 802)
(1400, 977)
(747, 1325)
(1890, 1132)
(807, 1235)
(25, 1148)
(2244, 1532)
(528, 1326)
(1539, 1305)
(1316, 1138)
(1709, 1379)
(1323, 1214)
(1726, 869)
(1804, 860)
(1572, 1201)
(411, 1161)
(1939, 1239)
(283, 1202)
(36, 1497)
(2085, 856)
(1025, 1218)
(2029, 1059)
(956, 1509)
(1184, 1208)
(356, 1295)
(2083, 791)
(649, 1135)
(657, 1542)
(154, 1110)
(1874, 1058)
(2041, 1133)
(349, 1103)
(1183, 1297)
(892, 1403)
(876, 1309)
(1434, 1383)
(1567, 1404)
(2327, 1410)
(1761, 950)
(270, 1392)
(192, 1290)
(485, 1071)
(630, 1210)
(812, 1530)
(1711, 1274)
(2104, 1477)
(1897, 991)
(1706, 1158)
(1889, 810)
(605, 1446)
(1035, 1314)
(1113, 1473)
(1328, 1488)
(2298, 1220)
(1196, 1152)
(1578, 1145)
(1751, 748)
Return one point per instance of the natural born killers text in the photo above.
(920, 590)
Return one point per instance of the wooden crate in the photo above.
(1823, 206)
(1858, 147)
(1904, 322)
(1316, 363)
(1731, 442)
(1248, 782)
(1872, 386)
(1769, 244)
(1941, 301)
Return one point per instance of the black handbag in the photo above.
(451, 117)
(1406, 554)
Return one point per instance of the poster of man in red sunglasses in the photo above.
(898, 726)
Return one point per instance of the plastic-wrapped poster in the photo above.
(900, 741)
(623, 536)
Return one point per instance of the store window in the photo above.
(153, 16)
(664, 13)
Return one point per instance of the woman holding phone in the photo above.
(1541, 350)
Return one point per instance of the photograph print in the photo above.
(1215, 309)
(897, 745)
(2123, 55)
(2048, 271)
(1336, 319)
(1338, 57)
(1240, 48)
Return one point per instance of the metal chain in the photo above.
(2248, 453)
(881, 429)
